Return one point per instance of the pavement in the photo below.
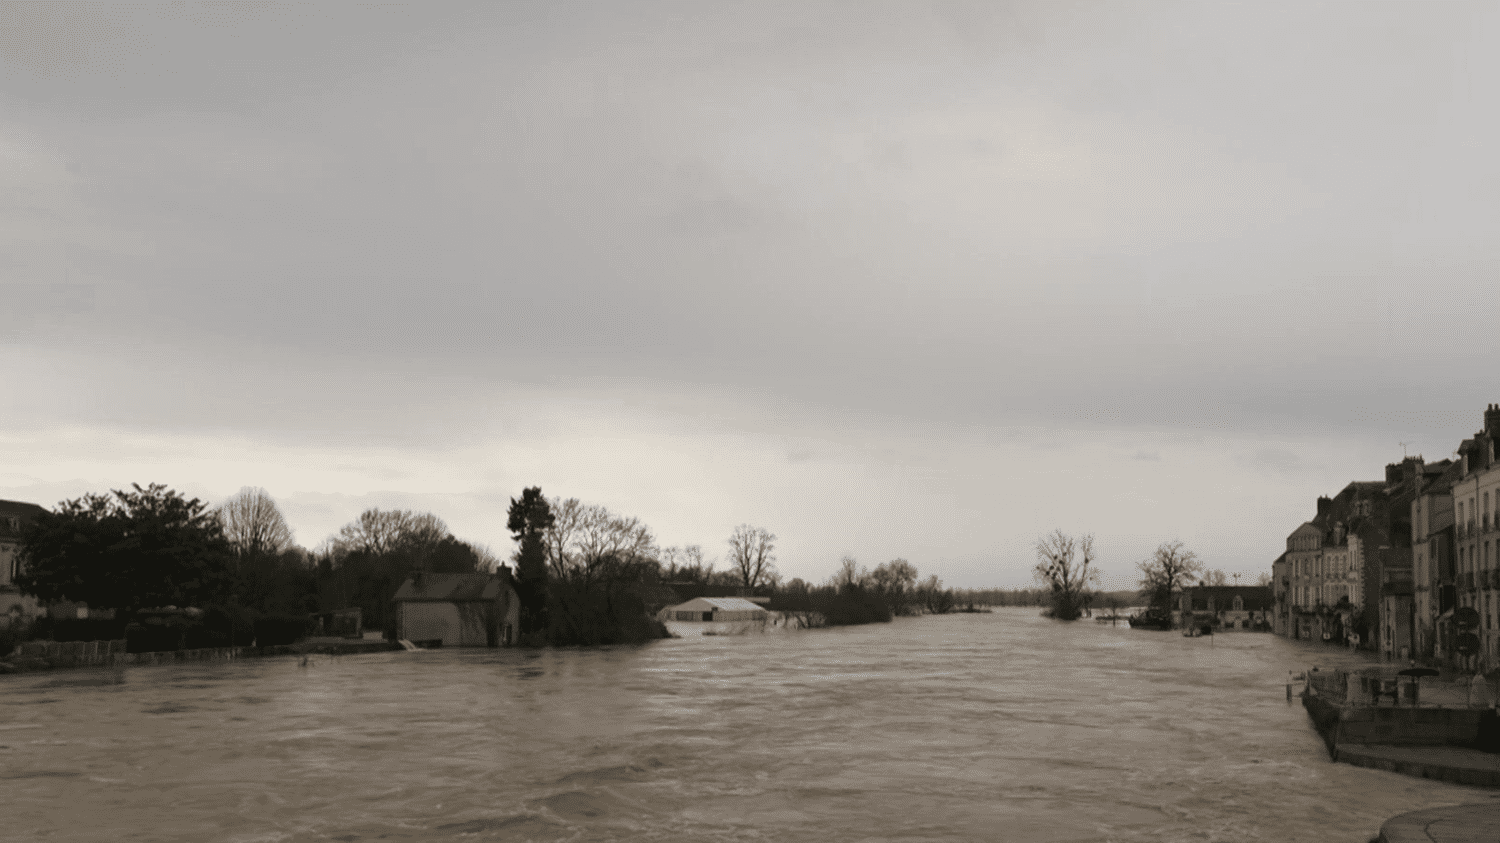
(1474, 823)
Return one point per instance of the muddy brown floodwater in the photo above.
(1002, 726)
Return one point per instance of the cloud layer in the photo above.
(713, 264)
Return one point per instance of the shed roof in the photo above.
(723, 604)
(448, 588)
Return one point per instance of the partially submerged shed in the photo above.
(714, 609)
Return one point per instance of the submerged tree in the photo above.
(895, 581)
(1166, 572)
(1065, 566)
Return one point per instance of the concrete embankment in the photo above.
(50, 655)
(1456, 764)
(1432, 742)
(1474, 823)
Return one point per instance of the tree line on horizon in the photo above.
(585, 575)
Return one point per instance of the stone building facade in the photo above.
(14, 517)
(1434, 583)
(1330, 583)
(1476, 534)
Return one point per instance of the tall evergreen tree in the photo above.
(530, 517)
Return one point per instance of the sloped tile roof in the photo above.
(448, 588)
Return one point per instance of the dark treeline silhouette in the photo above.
(1093, 600)
(1000, 596)
(172, 572)
(166, 572)
(856, 595)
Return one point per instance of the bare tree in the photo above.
(1263, 580)
(379, 532)
(1166, 572)
(557, 539)
(1065, 566)
(489, 561)
(587, 543)
(685, 564)
(375, 531)
(1215, 577)
(254, 525)
(895, 581)
(751, 556)
(850, 574)
(934, 599)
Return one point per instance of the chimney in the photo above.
(1323, 504)
(1392, 473)
(1411, 469)
(1492, 420)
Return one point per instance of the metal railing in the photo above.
(1385, 686)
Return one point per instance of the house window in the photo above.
(1239, 604)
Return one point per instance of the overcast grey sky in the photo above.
(890, 279)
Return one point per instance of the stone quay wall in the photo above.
(1340, 723)
(46, 655)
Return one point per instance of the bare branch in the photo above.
(253, 523)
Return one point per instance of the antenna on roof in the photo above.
(1403, 449)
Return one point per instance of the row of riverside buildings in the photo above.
(1408, 566)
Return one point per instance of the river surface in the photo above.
(1002, 726)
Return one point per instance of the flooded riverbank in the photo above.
(982, 726)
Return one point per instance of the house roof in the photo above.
(1252, 597)
(19, 510)
(448, 588)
